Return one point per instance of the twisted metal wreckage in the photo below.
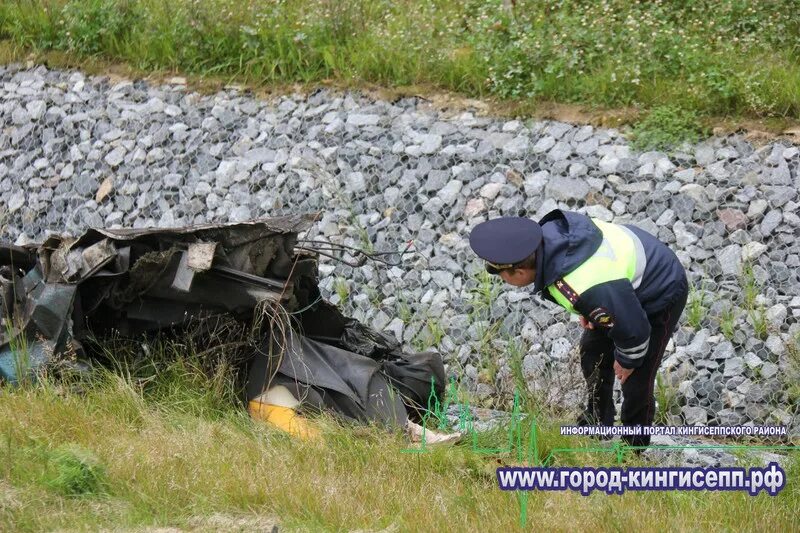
(58, 295)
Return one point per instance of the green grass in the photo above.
(482, 295)
(363, 235)
(484, 290)
(668, 403)
(791, 378)
(115, 456)
(665, 127)
(342, 290)
(758, 319)
(751, 287)
(161, 441)
(755, 312)
(793, 353)
(403, 308)
(529, 400)
(727, 322)
(710, 57)
(18, 344)
(430, 334)
(696, 309)
(77, 472)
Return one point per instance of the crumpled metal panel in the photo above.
(137, 280)
(46, 325)
(141, 281)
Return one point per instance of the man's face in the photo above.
(518, 277)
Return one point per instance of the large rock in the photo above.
(730, 259)
(559, 152)
(771, 221)
(517, 147)
(116, 156)
(358, 119)
(704, 154)
(543, 145)
(564, 189)
(734, 367)
(449, 194)
(559, 350)
(695, 416)
(724, 350)
(430, 143)
(732, 218)
(753, 250)
(491, 190)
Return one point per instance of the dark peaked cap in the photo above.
(505, 240)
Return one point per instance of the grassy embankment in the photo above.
(162, 443)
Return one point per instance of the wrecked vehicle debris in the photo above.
(58, 295)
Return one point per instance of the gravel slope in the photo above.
(78, 151)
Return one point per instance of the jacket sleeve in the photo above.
(613, 305)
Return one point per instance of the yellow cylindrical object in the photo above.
(285, 419)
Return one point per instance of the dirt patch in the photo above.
(215, 523)
(234, 523)
(154, 529)
(9, 496)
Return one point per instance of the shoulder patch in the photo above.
(602, 317)
(567, 291)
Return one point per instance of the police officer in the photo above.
(627, 286)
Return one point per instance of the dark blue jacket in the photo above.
(569, 239)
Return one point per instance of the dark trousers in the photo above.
(638, 402)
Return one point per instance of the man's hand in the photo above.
(622, 372)
(586, 324)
